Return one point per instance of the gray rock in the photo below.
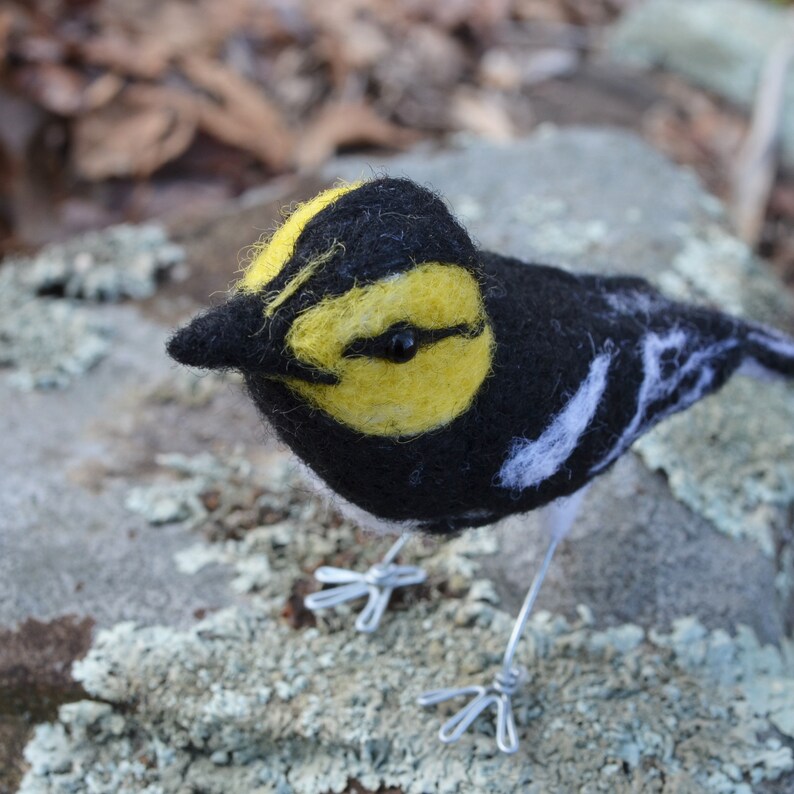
(50, 341)
(719, 44)
(636, 554)
(67, 543)
(243, 703)
(119, 262)
(46, 342)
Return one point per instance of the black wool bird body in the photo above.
(434, 387)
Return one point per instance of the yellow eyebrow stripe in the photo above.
(300, 278)
(274, 253)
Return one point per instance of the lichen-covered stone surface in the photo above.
(46, 343)
(46, 337)
(170, 518)
(120, 262)
(721, 45)
(248, 701)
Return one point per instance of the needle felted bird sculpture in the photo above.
(433, 386)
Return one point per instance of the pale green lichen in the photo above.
(46, 336)
(740, 474)
(46, 342)
(243, 702)
(555, 233)
(714, 267)
(184, 499)
(119, 262)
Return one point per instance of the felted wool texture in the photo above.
(271, 255)
(531, 461)
(771, 350)
(581, 366)
(379, 229)
(440, 304)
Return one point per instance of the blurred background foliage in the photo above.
(116, 110)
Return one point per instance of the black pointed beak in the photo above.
(237, 335)
(232, 336)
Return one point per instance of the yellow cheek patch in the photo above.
(379, 397)
(273, 254)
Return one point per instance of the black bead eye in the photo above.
(401, 346)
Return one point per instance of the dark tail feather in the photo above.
(770, 349)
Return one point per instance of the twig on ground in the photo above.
(756, 164)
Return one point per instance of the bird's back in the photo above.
(593, 362)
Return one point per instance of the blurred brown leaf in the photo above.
(115, 89)
(345, 124)
(66, 91)
(101, 91)
(540, 11)
(415, 80)
(235, 110)
(55, 87)
(175, 27)
(6, 24)
(348, 40)
(481, 113)
(480, 15)
(500, 69)
(124, 55)
(142, 38)
(134, 135)
(781, 202)
(294, 80)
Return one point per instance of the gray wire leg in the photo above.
(499, 694)
(507, 680)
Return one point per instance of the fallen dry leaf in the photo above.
(416, 78)
(6, 25)
(540, 11)
(115, 51)
(480, 15)
(482, 114)
(546, 64)
(781, 202)
(168, 29)
(236, 111)
(55, 87)
(347, 40)
(344, 124)
(141, 130)
(500, 69)
(66, 91)
(293, 80)
(102, 90)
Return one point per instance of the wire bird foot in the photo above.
(499, 694)
(558, 518)
(378, 583)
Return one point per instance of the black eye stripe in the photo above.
(376, 347)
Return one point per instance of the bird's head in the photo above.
(366, 303)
